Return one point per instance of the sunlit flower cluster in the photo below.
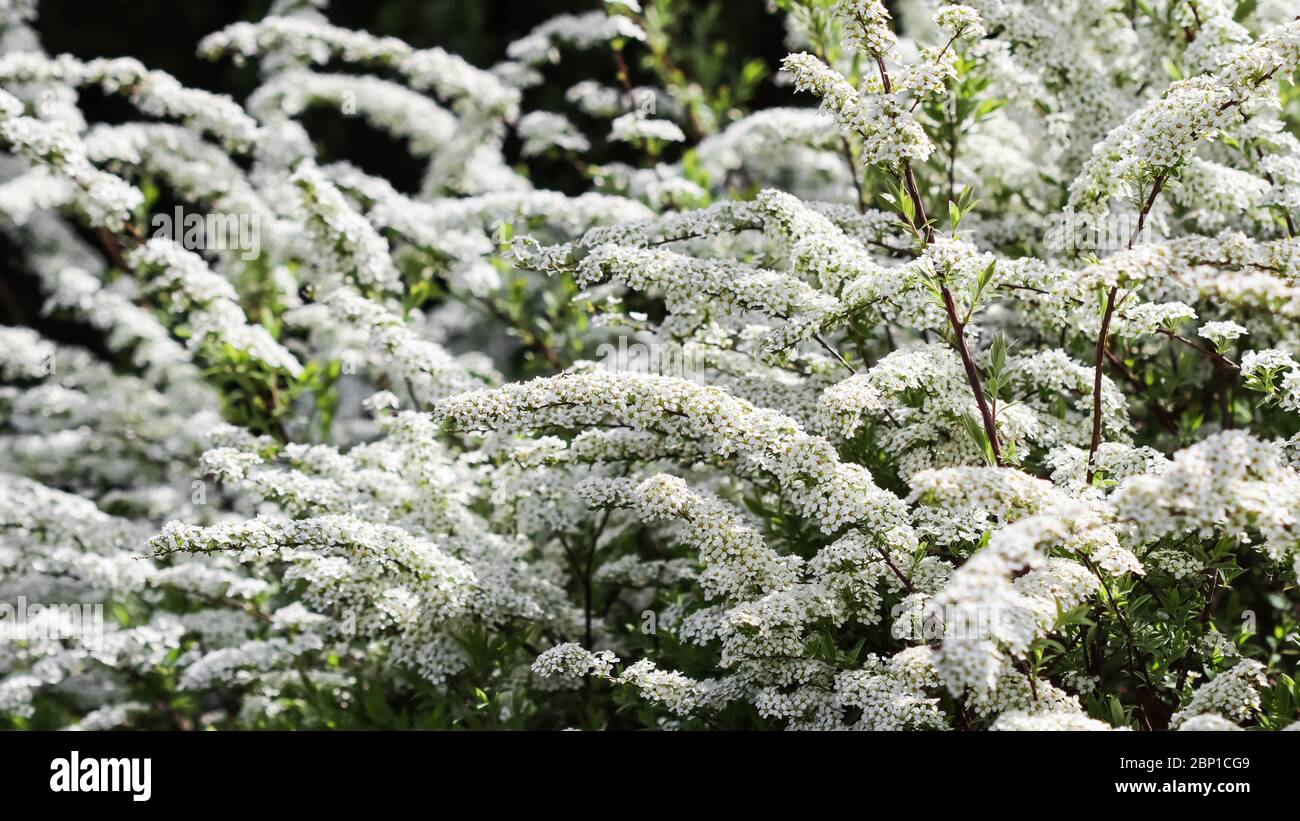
(964, 395)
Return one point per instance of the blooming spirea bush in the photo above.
(965, 395)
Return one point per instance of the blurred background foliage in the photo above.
(716, 43)
(730, 47)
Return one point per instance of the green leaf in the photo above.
(1118, 716)
(975, 430)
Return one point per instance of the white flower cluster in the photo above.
(209, 302)
(969, 401)
(350, 246)
(1233, 696)
(1160, 137)
(1232, 483)
(307, 40)
(828, 491)
(889, 132)
(541, 130)
(1275, 373)
(106, 200)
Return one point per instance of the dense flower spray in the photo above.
(965, 395)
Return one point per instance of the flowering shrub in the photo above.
(964, 397)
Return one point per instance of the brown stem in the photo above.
(942, 52)
(907, 583)
(111, 248)
(958, 327)
(972, 374)
(1286, 212)
(1096, 383)
(625, 78)
(834, 353)
(853, 171)
(884, 74)
(950, 306)
(1201, 349)
(914, 191)
(1100, 362)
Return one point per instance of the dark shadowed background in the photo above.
(163, 34)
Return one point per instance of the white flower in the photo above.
(960, 21)
(631, 128)
(1221, 333)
